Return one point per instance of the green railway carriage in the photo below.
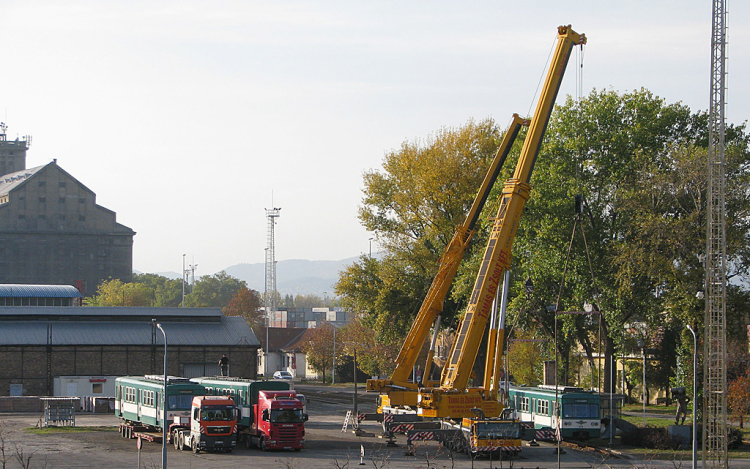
(243, 391)
(139, 398)
(579, 410)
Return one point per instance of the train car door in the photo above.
(158, 405)
(138, 403)
(554, 413)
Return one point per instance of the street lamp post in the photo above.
(695, 402)
(612, 386)
(164, 401)
(642, 346)
(333, 370)
(356, 410)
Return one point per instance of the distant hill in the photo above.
(294, 276)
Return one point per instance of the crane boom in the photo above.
(497, 258)
(398, 389)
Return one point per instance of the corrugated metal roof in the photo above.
(113, 311)
(229, 331)
(11, 290)
(8, 182)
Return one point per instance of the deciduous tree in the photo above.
(167, 292)
(246, 303)
(319, 349)
(116, 293)
(738, 398)
(413, 206)
(214, 291)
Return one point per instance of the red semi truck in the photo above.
(278, 421)
(271, 416)
(213, 425)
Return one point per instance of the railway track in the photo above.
(335, 396)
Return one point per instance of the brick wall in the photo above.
(21, 404)
(28, 365)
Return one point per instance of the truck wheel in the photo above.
(263, 443)
(176, 437)
(194, 446)
(248, 442)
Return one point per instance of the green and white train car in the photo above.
(138, 399)
(579, 410)
(243, 391)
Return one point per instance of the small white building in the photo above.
(285, 352)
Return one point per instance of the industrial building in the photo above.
(308, 317)
(51, 229)
(39, 295)
(81, 350)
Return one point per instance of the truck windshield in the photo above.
(286, 416)
(215, 413)
(497, 430)
(179, 402)
(581, 411)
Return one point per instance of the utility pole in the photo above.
(183, 280)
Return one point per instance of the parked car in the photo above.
(282, 375)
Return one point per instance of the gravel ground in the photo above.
(326, 446)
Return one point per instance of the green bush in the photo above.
(650, 437)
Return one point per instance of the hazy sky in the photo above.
(187, 117)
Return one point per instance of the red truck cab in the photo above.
(213, 424)
(279, 420)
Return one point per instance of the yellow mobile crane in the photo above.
(453, 398)
(398, 391)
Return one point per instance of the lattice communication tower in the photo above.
(269, 296)
(270, 293)
(715, 377)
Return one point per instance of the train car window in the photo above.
(581, 410)
(179, 402)
(542, 407)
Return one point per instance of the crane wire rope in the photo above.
(579, 101)
(542, 76)
(577, 222)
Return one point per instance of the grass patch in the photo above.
(650, 421)
(654, 409)
(57, 430)
(678, 455)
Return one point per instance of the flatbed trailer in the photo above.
(132, 431)
(149, 436)
(128, 430)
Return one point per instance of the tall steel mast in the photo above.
(715, 376)
(269, 295)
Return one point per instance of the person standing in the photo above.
(224, 364)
